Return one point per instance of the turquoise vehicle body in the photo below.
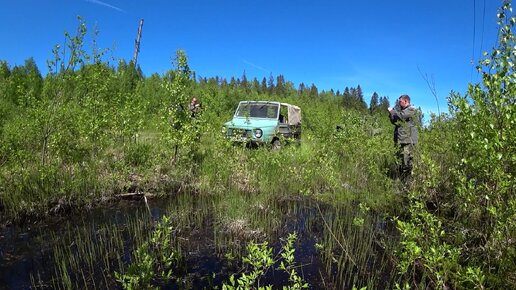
(264, 122)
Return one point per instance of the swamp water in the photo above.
(336, 248)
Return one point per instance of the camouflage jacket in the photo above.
(405, 125)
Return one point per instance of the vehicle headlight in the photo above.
(224, 129)
(258, 133)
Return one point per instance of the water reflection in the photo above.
(27, 254)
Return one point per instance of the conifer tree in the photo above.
(346, 92)
(232, 82)
(360, 103)
(280, 85)
(263, 86)
(255, 85)
(244, 83)
(374, 103)
(347, 98)
(384, 104)
(314, 92)
(270, 85)
(301, 89)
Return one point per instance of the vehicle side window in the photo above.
(283, 114)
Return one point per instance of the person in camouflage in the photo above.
(405, 120)
(194, 107)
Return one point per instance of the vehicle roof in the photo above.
(273, 102)
(294, 112)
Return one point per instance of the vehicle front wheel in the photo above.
(276, 144)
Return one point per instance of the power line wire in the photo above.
(483, 26)
(474, 34)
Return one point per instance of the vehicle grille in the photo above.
(235, 132)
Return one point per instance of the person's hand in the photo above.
(389, 109)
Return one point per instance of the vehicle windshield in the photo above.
(258, 110)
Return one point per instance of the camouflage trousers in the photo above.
(405, 156)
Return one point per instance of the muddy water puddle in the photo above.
(28, 256)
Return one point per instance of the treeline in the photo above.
(352, 98)
(23, 83)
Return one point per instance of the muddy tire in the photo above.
(276, 144)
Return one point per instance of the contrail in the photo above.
(256, 66)
(107, 5)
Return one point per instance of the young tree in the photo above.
(180, 129)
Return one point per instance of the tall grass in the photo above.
(355, 247)
(87, 255)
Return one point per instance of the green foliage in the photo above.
(423, 249)
(461, 227)
(138, 154)
(181, 131)
(153, 260)
(485, 179)
(49, 189)
(288, 265)
(259, 260)
(70, 119)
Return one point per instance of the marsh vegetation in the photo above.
(329, 214)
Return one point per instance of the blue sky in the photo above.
(384, 46)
